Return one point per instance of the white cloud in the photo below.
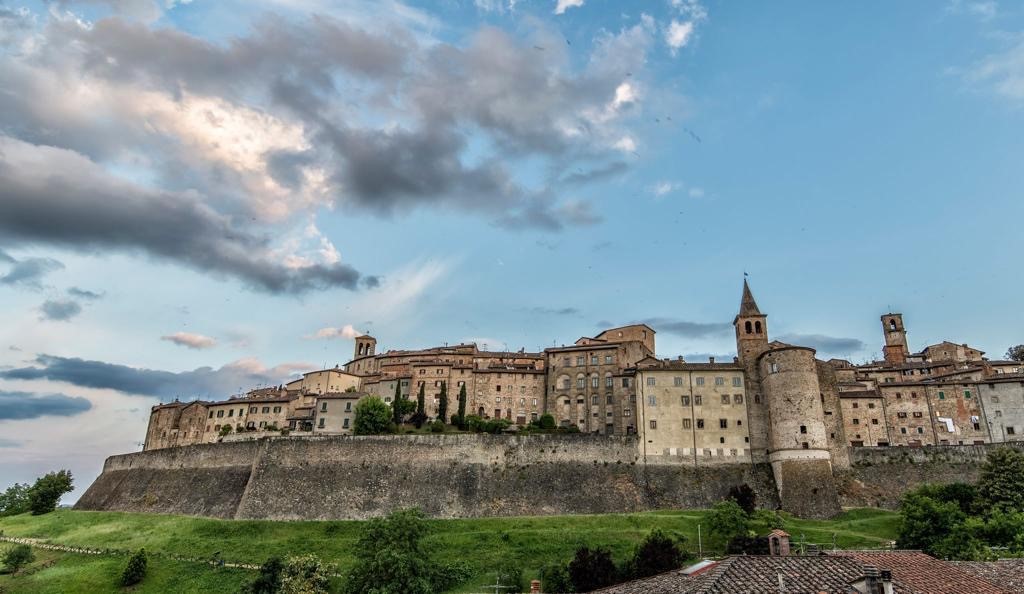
(663, 188)
(696, 192)
(625, 144)
(1001, 72)
(984, 10)
(564, 5)
(190, 340)
(678, 34)
(346, 331)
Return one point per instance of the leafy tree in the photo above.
(656, 554)
(1001, 483)
(390, 557)
(591, 569)
(44, 495)
(925, 522)
(1015, 353)
(135, 570)
(305, 574)
(745, 497)
(547, 422)
(510, 576)
(728, 520)
(225, 430)
(462, 407)
(269, 579)
(373, 417)
(1004, 529)
(17, 557)
(14, 500)
(555, 578)
(963, 494)
(420, 416)
(442, 408)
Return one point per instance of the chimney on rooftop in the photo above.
(711, 359)
(534, 586)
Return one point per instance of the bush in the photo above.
(136, 568)
(449, 575)
(555, 578)
(269, 579)
(547, 422)
(390, 557)
(728, 520)
(1001, 484)
(17, 557)
(437, 427)
(225, 430)
(745, 497)
(44, 495)
(305, 574)
(926, 522)
(510, 576)
(591, 569)
(656, 554)
(373, 417)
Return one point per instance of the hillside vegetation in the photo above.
(483, 543)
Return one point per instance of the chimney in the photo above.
(711, 359)
(534, 586)
(886, 579)
(778, 543)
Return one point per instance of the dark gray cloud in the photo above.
(17, 406)
(581, 176)
(84, 294)
(29, 273)
(552, 311)
(689, 329)
(205, 382)
(59, 310)
(825, 344)
(56, 197)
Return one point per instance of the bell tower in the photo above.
(751, 329)
(895, 349)
(365, 346)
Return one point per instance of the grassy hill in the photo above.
(484, 543)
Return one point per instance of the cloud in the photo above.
(983, 10)
(678, 34)
(1001, 72)
(28, 273)
(562, 5)
(9, 443)
(17, 406)
(825, 344)
(663, 188)
(696, 192)
(59, 310)
(552, 311)
(346, 331)
(190, 340)
(84, 294)
(605, 171)
(688, 329)
(205, 382)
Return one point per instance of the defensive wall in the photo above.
(346, 477)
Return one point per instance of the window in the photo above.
(684, 400)
(593, 359)
(534, 402)
(1009, 431)
(871, 405)
(626, 412)
(855, 405)
(607, 359)
(608, 383)
(874, 421)
(322, 421)
(775, 368)
(967, 393)
(497, 400)
(654, 424)
(696, 400)
(737, 398)
(625, 382)
(651, 381)
(700, 423)
(220, 414)
(917, 415)
(231, 412)
(277, 409)
(719, 381)
(899, 396)
(757, 399)
(580, 361)
(856, 421)
(211, 414)
(700, 381)
(903, 430)
(565, 384)
(687, 424)
(723, 423)
(803, 429)
(581, 382)
(344, 423)
(266, 409)
(608, 399)
(652, 400)
(725, 399)
(995, 399)
(942, 395)
(323, 407)
(677, 381)
(263, 424)
(216, 427)
(737, 381)
(348, 407)
(920, 430)
(739, 422)
(901, 415)
(252, 409)
(594, 400)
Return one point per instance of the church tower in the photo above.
(895, 349)
(365, 346)
(751, 341)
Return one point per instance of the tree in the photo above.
(555, 578)
(373, 417)
(591, 569)
(462, 407)
(656, 554)
(44, 495)
(1001, 482)
(925, 522)
(745, 497)
(390, 556)
(1015, 353)
(135, 570)
(225, 430)
(420, 415)
(17, 557)
(306, 574)
(14, 500)
(547, 422)
(400, 405)
(269, 579)
(442, 408)
(728, 520)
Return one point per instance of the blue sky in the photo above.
(199, 197)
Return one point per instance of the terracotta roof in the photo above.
(340, 396)
(1007, 573)
(923, 573)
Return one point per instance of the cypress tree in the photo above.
(462, 407)
(442, 409)
(421, 408)
(396, 406)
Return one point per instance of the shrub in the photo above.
(390, 556)
(269, 579)
(305, 574)
(555, 578)
(591, 569)
(510, 576)
(17, 557)
(135, 570)
(1001, 484)
(47, 490)
(926, 522)
(225, 430)
(373, 417)
(657, 553)
(745, 497)
(547, 422)
(728, 520)
(437, 427)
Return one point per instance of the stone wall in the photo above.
(445, 475)
(878, 477)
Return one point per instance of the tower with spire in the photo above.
(751, 328)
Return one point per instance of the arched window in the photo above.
(892, 324)
(360, 349)
(757, 327)
(747, 326)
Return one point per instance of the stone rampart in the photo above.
(879, 476)
(445, 475)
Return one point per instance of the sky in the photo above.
(198, 198)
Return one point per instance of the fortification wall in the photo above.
(445, 475)
(878, 477)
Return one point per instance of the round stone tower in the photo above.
(797, 438)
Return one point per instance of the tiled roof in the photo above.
(1007, 573)
(923, 573)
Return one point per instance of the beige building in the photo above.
(335, 414)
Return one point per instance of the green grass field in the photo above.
(483, 543)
